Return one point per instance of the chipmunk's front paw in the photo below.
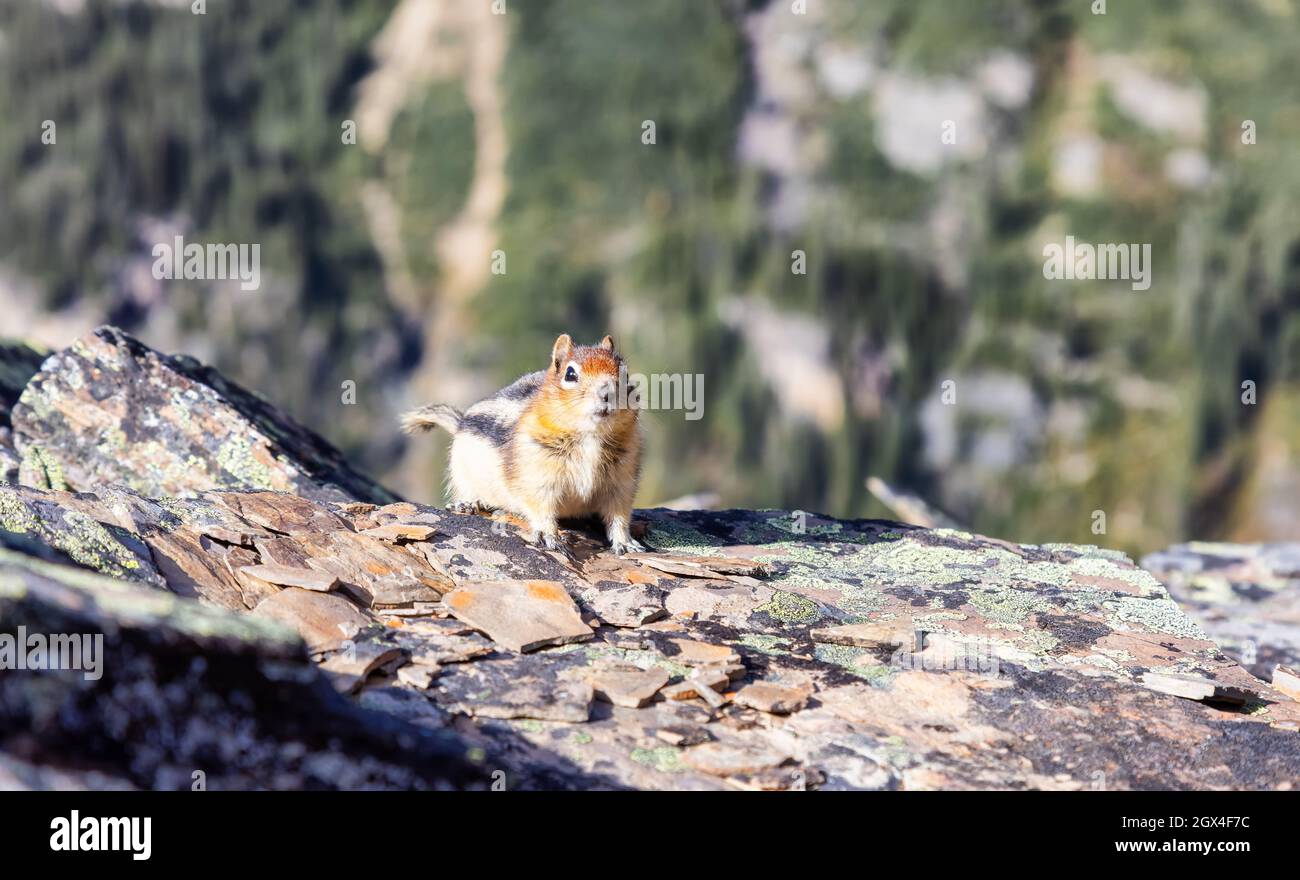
(468, 507)
(626, 546)
(553, 542)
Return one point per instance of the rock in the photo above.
(436, 642)
(415, 609)
(9, 462)
(703, 683)
(778, 779)
(1287, 680)
(1246, 596)
(862, 635)
(348, 668)
(699, 653)
(376, 574)
(185, 686)
(683, 735)
(60, 521)
(700, 566)
(400, 533)
(284, 576)
(515, 687)
(110, 410)
(1190, 687)
(519, 615)
(1007, 649)
(632, 687)
(774, 699)
(726, 759)
(418, 677)
(324, 621)
(402, 703)
(726, 601)
(629, 606)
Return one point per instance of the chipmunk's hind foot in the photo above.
(626, 546)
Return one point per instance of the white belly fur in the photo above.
(571, 490)
(476, 473)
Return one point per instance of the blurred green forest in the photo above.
(781, 137)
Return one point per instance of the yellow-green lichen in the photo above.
(14, 515)
(42, 469)
(856, 661)
(236, 457)
(765, 644)
(1153, 615)
(666, 759)
(1008, 606)
(673, 535)
(85, 539)
(791, 608)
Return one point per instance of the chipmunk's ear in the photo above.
(560, 350)
(607, 343)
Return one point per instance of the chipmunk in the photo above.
(555, 443)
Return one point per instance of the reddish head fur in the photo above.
(581, 393)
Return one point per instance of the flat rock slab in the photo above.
(400, 533)
(348, 668)
(696, 686)
(863, 635)
(375, 572)
(418, 677)
(324, 620)
(728, 759)
(684, 734)
(1191, 687)
(629, 605)
(284, 576)
(632, 688)
(532, 686)
(431, 643)
(696, 653)
(519, 615)
(701, 566)
(774, 699)
(1287, 680)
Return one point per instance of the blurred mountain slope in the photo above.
(775, 133)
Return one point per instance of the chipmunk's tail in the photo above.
(435, 415)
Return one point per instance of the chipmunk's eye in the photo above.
(571, 375)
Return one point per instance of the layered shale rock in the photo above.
(412, 646)
(1246, 596)
(109, 410)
